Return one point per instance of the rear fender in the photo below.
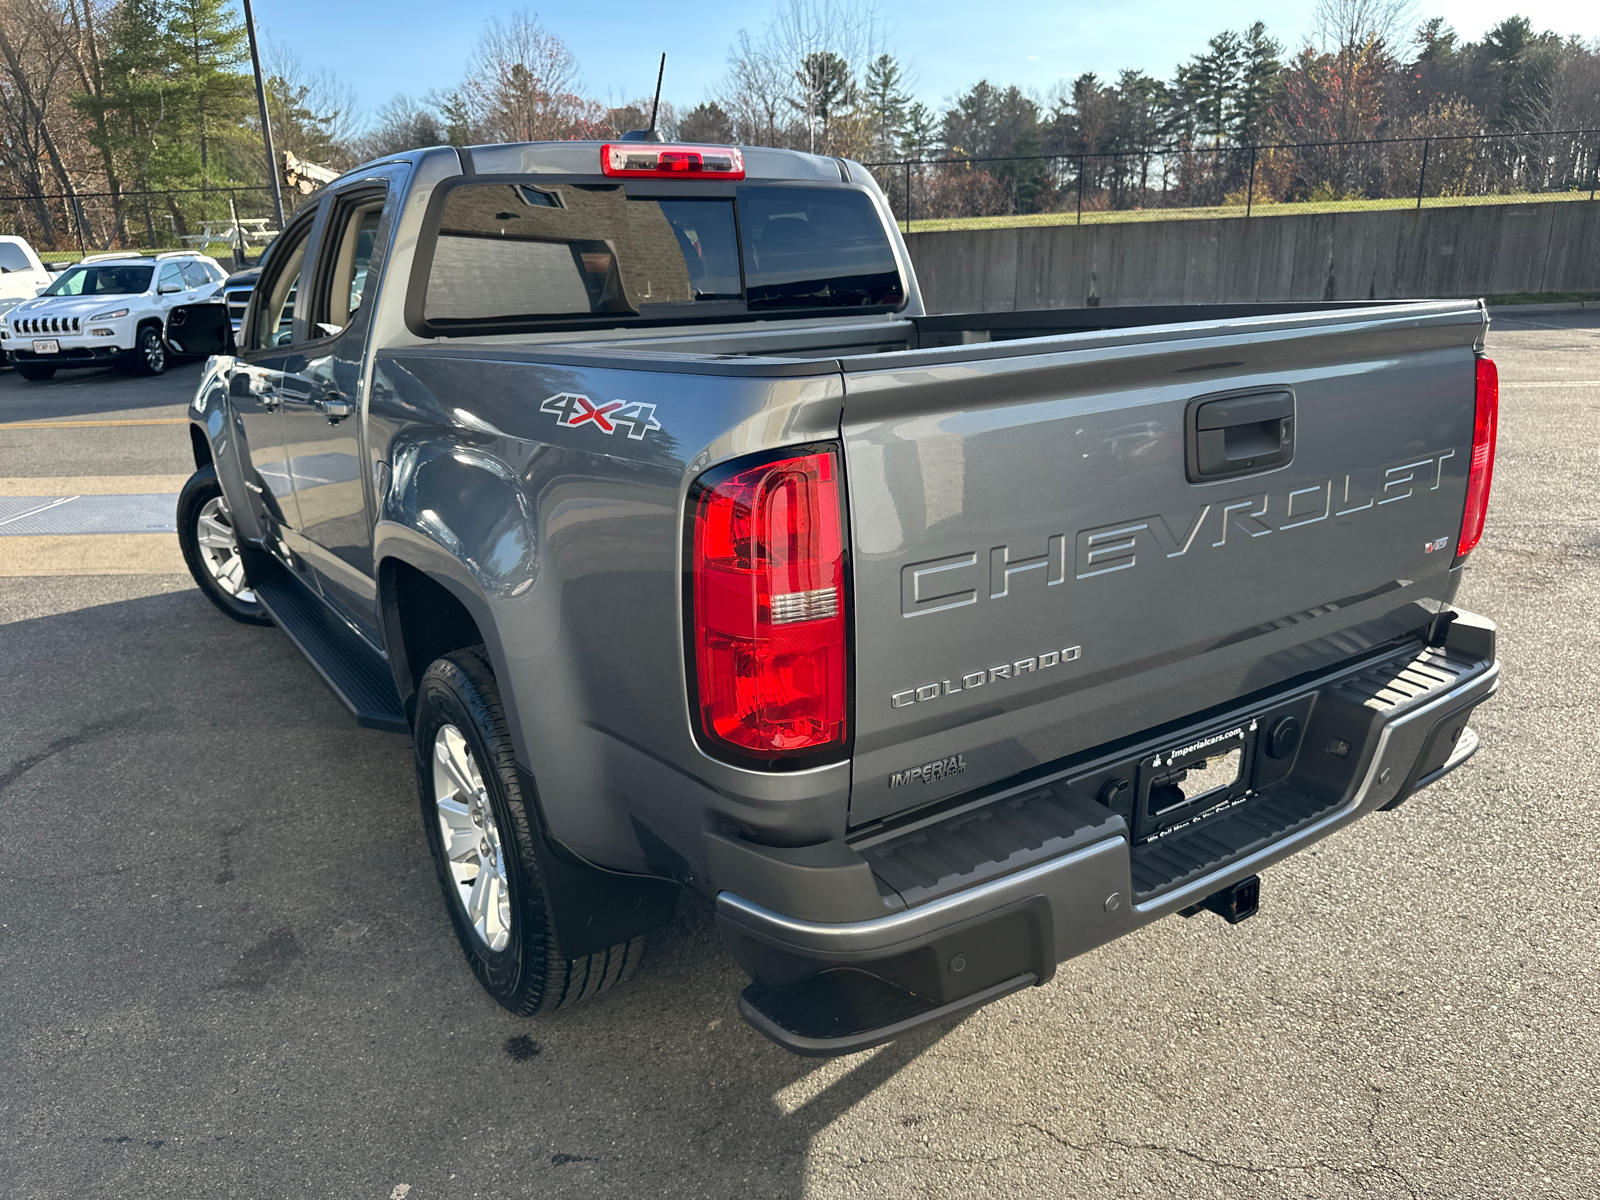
(459, 516)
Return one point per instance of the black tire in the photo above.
(201, 490)
(34, 373)
(149, 351)
(529, 975)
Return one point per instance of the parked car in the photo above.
(636, 486)
(110, 309)
(236, 291)
(22, 275)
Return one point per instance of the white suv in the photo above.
(22, 275)
(110, 309)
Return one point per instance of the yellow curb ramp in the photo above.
(92, 485)
(91, 554)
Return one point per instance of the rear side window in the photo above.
(815, 248)
(13, 258)
(513, 255)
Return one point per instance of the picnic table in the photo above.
(254, 230)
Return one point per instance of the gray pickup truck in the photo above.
(634, 484)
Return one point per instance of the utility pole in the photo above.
(266, 125)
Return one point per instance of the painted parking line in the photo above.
(22, 516)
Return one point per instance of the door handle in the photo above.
(1241, 434)
(333, 406)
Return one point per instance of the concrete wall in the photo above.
(1438, 252)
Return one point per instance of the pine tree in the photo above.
(209, 48)
(887, 102)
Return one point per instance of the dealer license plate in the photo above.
(47, 346)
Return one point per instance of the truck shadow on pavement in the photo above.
(226, 956)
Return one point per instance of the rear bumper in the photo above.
(830, 987)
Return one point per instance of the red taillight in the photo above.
(1482, 470)
(654, 160)
(767, 572)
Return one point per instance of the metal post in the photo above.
(1594, 168)
(1422, 175)
(77, 223)
(908, 195)
(1250, 189)
(1080, 190)
(266, 125)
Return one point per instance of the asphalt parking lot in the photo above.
(225, 968)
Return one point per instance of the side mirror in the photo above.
(200, 329)
(41, 290)
(167, 288)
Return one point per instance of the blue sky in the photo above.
(408, 46)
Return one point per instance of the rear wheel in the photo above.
(211, 548)
(34, 373)
(481, 828)
(150, 351)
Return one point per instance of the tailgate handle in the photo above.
(1234, 435)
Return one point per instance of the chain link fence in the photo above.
(232, 225)
(1415, 172)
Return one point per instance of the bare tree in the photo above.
(1353, 25)
(798, 83)
(314, 114)
(522, 85)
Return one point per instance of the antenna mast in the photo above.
(655, 105)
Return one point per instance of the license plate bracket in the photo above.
(46, 346)
(1204, 776)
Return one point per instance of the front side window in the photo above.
(171, 278)
(129, 280)
(510, 254)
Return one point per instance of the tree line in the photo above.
(130, 121)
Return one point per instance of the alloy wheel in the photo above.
(219, 550)
(471, 839)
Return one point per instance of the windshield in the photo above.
(125, 279)
(510, 255)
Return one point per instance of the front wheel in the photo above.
(211, 548)
(35, 374)
(150, 351)
(481, 828)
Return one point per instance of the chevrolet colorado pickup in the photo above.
(632, 482)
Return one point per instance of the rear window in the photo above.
(523, 255)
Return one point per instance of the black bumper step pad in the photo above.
(1167, 862)
(843, 1010)
(354, 672)
(981, 844)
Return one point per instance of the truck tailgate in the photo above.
(1044, 562)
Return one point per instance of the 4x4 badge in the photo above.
(572, 410)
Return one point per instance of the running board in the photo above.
(351, 668)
